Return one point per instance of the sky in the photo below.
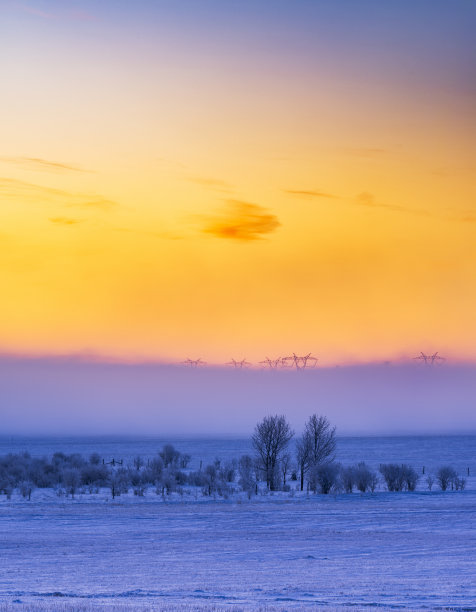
(237, 179)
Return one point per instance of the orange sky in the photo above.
(175, 189)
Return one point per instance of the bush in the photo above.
(365, 478)
(94, 476)
(410, 477)
(71, 479)
(399, 477)
(94, 459)
(170, 456)
(446, 476)
(197, 479)
(325, 477)
(26, 489)
(246, 473)
(348, 479)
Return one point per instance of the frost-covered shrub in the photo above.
(184, 460)
(170, 456)
(227, 472)
(410, 477)
(246, 471)
(393, 476)
(94, 476)
(399, 477)
(211, 478)
(71, 479)
(445, 477)
(169, 482)
(138, 462)
(139, 482)
(180, 478)
(118, 482)
(41, 473)
(430, 481)
(197, 479)
(26, 489)
(155, 469)
(94, 459)
(325, 478)
(364, 478)
(347, 477)
(6, 484)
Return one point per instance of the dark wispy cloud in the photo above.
(243, 221)
(64, 220)
(210, 183)
(310, 193)
(39, 164)
(13, 189)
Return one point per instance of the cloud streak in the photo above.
(39, 164)
(13, 189)
(64, 220)
(241, 221)
(368, 199)
(305, 193)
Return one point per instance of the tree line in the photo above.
(275, 466)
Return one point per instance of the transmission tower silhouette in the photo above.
(194, 363)
(300, 362)
(429, 359)
(239, 365)
(272, 364)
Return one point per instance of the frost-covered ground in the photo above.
(402, 550)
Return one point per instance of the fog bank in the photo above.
(64, 396)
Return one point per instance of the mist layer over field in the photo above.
(45, 396)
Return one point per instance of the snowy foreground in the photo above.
(391, 550)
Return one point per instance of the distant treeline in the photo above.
(272, 468)
(168, 472)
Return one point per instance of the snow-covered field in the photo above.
(391, 550)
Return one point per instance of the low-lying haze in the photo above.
(67, 396)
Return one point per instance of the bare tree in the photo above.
(322, 440)
(303, 456)
(270, 439)
(285, 466)
(169, 455)
(316, 446)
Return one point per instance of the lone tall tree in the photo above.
(270, 439)
(316, 446)
(322, 439)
